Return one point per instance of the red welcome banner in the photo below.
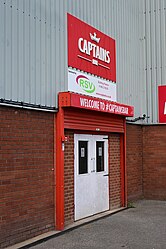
(90, 50)
(95, 104)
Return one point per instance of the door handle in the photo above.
(106, 175)
(93, 161)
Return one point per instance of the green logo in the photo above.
(85, 84)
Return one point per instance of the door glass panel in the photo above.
(99, 156)
(83, 157)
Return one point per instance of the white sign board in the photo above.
(89, 85)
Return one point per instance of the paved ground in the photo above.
(142, 227)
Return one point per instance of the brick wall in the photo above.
(27, 179)
(26, 176)
(114, 171)
(146, 161)
(154, 162)
(69, 178)
(134, 148)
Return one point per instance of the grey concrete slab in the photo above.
(142, 227)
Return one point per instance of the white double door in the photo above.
(91, 175)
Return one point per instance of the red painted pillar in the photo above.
(122, 170)
(123, 167)
(59, 153)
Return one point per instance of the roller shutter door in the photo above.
(93, 121)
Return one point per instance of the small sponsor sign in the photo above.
(89, 85)
(162, 103)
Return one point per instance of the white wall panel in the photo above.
(2, 50)
(163, 41)
(155, 48)
(33, 48)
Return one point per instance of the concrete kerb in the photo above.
(52, 234)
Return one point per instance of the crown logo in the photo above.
(94, 37)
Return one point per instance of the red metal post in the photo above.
(123, 167)
(59, 151)
(122, 170)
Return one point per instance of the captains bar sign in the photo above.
(97, 52)
(90, 50)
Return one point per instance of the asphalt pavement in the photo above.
(141, 227)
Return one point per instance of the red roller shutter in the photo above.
(92, 121)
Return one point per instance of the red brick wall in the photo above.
(134, 148)
(146, 161)
(26, 176)
(114, 171)
(154, 162)
(69, 177)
